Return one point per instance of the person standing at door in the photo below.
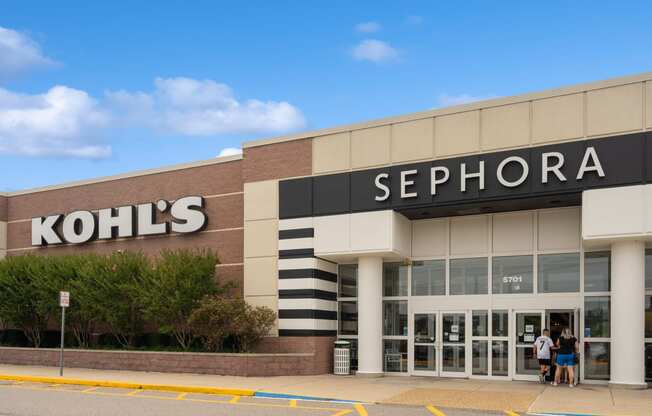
(568, 347)
(542, 347)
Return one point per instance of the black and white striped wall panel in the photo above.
(307, 285)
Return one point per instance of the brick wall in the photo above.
(248, 365)
(279, 160)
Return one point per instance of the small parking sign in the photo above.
(64, 299)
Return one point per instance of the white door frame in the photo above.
(514, 341)
(434, 343)
(439, 344)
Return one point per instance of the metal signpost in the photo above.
(64, 302)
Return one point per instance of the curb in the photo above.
(128, 385)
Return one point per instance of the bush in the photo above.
(175, 286)
(217, 319)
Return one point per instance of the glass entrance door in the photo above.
(453, 341)
(425, 344)
(529, 325)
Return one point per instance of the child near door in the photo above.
(542, 347)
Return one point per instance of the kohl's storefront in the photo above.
(453, 267)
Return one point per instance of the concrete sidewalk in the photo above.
(520, 397)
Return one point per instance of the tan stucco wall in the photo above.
(574, 113)
(261, 244)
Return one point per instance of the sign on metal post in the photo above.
(64, 302)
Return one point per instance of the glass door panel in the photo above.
(453, 343)
(425, 346)
(528, 327)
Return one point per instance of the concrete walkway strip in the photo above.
(127, 385)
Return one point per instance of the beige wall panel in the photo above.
(505, 126)
(331, 153)
(457, 133)
(269, 301)
(613, 213)
(261, 276)
(469, 235)
(370, 147)
(261, 200)
(429, 238)
(3, 235)
(401, 235)
(332, 233)
(371, 231)
(559, 229)
(613, 110)
(648, 104)
(261, 238)
(558, 118)
(413, 140)
(513, 232)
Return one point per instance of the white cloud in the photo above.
(445, 100)
(230, 151)
(375, 51)
(61, 122)
(368, 27)
(202, 108)
(19, 53)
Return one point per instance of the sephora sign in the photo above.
(79, 227)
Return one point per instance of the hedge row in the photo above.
(122, 293)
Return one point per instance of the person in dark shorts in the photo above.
(542, 347)
(568, 347)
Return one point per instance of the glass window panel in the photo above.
(480, 326)
(597, 269)
(395, 355)
(499, 358)
(559, 273)
(512, 274)
(395, 279)
(468, 276)
(395, 317)
(425, 358)
(453, 358)
(648, 362)
(648, 269)
(526, 361)
(596, 360)
(454, 327)
(499, 323)
(424, 327)
(596, 317)
(648, 317)
(528, 328)
(429, 278)
(348, 280)
(480, 358)
(348, 313)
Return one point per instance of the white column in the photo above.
(627, 314)
(370, 316)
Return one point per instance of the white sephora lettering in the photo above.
(127, 221)
(551, 165)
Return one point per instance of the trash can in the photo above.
(342, 358)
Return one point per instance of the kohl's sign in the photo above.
(79, 227)
(551, 169)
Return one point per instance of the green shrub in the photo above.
(217, 319)
(175, 285)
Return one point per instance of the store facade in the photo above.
(439, 243)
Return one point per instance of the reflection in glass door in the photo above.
(425, 345)
(453, 343)
(528, 327)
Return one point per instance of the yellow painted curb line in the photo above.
(127, 385)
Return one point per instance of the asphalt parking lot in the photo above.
(31, 399)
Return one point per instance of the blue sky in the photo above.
(98, 88)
